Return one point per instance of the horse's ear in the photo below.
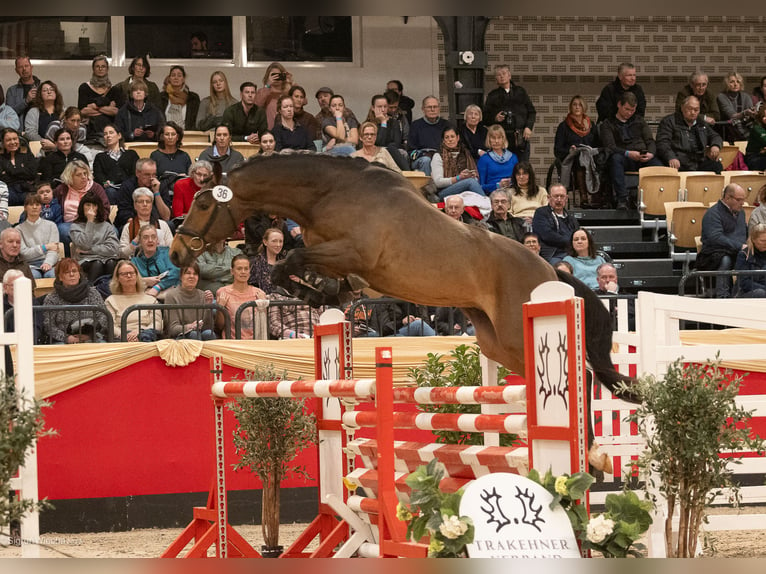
(217, 172)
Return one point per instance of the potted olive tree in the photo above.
(271, 432)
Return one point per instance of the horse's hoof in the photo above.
(356, 283)
(600, 460)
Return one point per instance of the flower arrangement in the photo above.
(613, 533)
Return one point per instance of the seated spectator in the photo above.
(575, 130)
(215, 266)
(583, 257)
(253, 322)
(496, 166)
(554, 225)
(453, 169)
(500, 220)
(211, 107)
(426, 136)
(139, 120)
(288, 133)
(267, 256)
(752, 258)
(45, 109)
(406, 104)
(564, 266)
(145, 176)
(526, 196)
(629, 141)
(532, 242)
(736, 107)
(389, 134)
(221, 151)
(128, 289)
(39, 239)
(170, 157)
(8, 117)
(20, 95)
(687, 143)
(153, 263)
(139, 70)
(759, 213)
(52, 165)
(268, 144)
(372, 152)
(291, 321)
(71, 119)
(367, 320)
(76, 181)
(97, 100)
(412, 320)
(200, 173)
(755, 153)
(606, 105)
(50, 206)
(724, 235)
(452, 321)
(115, 164)
(256, 226)
(399, 117)
(342, 129)
(277, 82)
(189, 323)
(18, 169)
(96, 247)
(308, 121)
(759, 92)
(454, 207)
(606, 275)
(246, 120)
(143, 203)
(698, 87)
(10, 248)
(179, 104)
(73, 326)
(473, 133)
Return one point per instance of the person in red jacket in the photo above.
(183, 193)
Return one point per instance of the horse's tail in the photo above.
(598, 337)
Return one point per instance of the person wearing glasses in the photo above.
(127, 288)
(372, 152)
(500, 219)
(426, 135)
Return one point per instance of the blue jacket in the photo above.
(159, 262)
(554, 232)
(752, 262)
(490, 171)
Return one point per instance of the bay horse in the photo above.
(362, 220)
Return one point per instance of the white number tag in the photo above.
(222, 194)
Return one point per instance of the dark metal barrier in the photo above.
(162, 309)
(292, 312)
(84, 321)
(703, 283)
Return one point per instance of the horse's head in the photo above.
(210, 219)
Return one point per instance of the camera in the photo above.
(281, 76)
(508, 118)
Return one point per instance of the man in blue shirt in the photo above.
(426, 135)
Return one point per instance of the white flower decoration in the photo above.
(561, 485)
(599, 528)
(452, 527)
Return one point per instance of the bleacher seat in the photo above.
(705, 187)
(686, 224)
(653, 192)
(751, 182)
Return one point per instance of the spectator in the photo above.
(454, 207)
(215, 266)
(257, 224)
(221, 151)
(198, 44)
(10, 247)
(51, 208)
(212, 107)
(453, 169)
(96, 247)
(231, 297)
(752, 258)
(304, 118)
(583, 257)
(139, 70)
(606, 275)
(145, 176)
(372, 152)
(412, 320)
(366, 319)
(179, 103)
(45, 109)
(72, 121)
(323, 96)
(268, 144)
(736, 107)
(389, 134)
(115, 164)
(452, 321)
(426, 135)
(139, 120)
(39, 239)
(277, 82)
(629, 141)
(185, 189)
(73, 326)
(532, 242)
(127, 289)
(724, 234)
(509, 106)
(759, 91)
(246, 120)
(291, 321)
(473, 133)
(575, 146)
(397, 116)
(21, 94)
(52, 165)
(97, 100)
(554, 225)
(697, 87)
(755, 153)
(342, 129)
(170, 158)
(526, 196)
(144, 214)
(500, 220)
(406, 104)
(288, 133)
(269, 253)
(564, 266)
(76, 181)
(192, 323)
(606, 105)
(759, 213)
(153, 263)
(686, 143)
(18, 169)
(496, 166)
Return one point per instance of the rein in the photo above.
(198, 241)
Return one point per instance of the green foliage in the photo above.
(687, 420)
(436, 513)
(461, 369)
(22, 422)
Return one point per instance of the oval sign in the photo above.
(222, 194)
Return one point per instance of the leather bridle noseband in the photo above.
(198, 241)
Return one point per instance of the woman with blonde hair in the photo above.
(77, 180)
(211, 107)
(752, 259)
(496, 166)
(179, 103)
(277, 82)
(736, 106)
(127, 287)
(473, 133)
(372, 152)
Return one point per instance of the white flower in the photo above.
(561, 485)
(599, 528)
(451, 527)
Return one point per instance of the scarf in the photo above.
(74, 294)
(177, 97)
(99, 83)
(506, 157)
(134, 225)
(582, 128)
(456, 160)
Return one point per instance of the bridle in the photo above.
(197, 241)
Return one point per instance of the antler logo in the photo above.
(330, 364)
(531, 514)
(553, 379)
(493, 510)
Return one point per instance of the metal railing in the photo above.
(85, 315)
(162, 309)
